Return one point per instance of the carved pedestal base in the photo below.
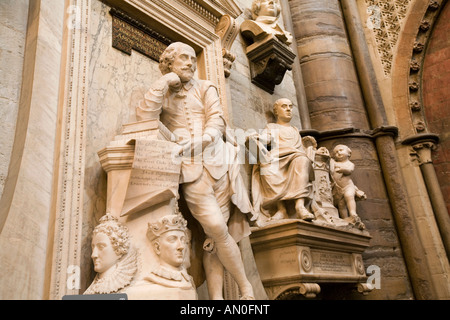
(295, 257)
(269, 61)
(142, 189)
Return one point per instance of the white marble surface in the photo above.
(116, 83)
(24, 237)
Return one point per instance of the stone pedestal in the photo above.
(295, 257)
(142, 187)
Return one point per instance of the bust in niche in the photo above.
(168, 279)
(114, 260)
(265, 23)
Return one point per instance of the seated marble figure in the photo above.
(287, 175)
(265, 23)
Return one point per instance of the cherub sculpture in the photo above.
(345, 193)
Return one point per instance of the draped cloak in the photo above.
(277, 180)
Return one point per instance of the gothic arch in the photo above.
(407, 67)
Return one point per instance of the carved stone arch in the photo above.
(407, 66)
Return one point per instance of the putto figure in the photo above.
(210, 176)
(287, 175)
(114, 260)
(345, 192)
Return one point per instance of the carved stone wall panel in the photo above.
(385, 19)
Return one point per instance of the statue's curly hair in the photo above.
(116, 232)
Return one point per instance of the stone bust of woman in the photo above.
(114, 260)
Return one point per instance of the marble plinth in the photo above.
(295, 256)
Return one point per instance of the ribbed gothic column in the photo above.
(331, 84)
(346, 108)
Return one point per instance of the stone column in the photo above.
(346, 108)
(413, 250)
(423, 146)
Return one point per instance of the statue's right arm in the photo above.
(151, 106)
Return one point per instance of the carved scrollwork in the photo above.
(306, 260)
(359, 264)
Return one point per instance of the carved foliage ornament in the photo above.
(268, 48)
(385, 18)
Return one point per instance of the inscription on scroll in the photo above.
(155, 175)
(129, 34)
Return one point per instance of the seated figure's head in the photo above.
(282, 110)
(265, 8)
(169, 237)
(110, 242)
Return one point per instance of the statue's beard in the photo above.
(185, 74)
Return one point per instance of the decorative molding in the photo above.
(69, 206)
(422, 144)
(269, 61)
(227, 29)
(423, 151)
(340, 133)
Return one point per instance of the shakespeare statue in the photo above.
(210, 179)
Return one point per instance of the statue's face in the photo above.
(341, 153)
(185, 63)
(283, 110)
(269, 8)
(171, 248)
(103, 254)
